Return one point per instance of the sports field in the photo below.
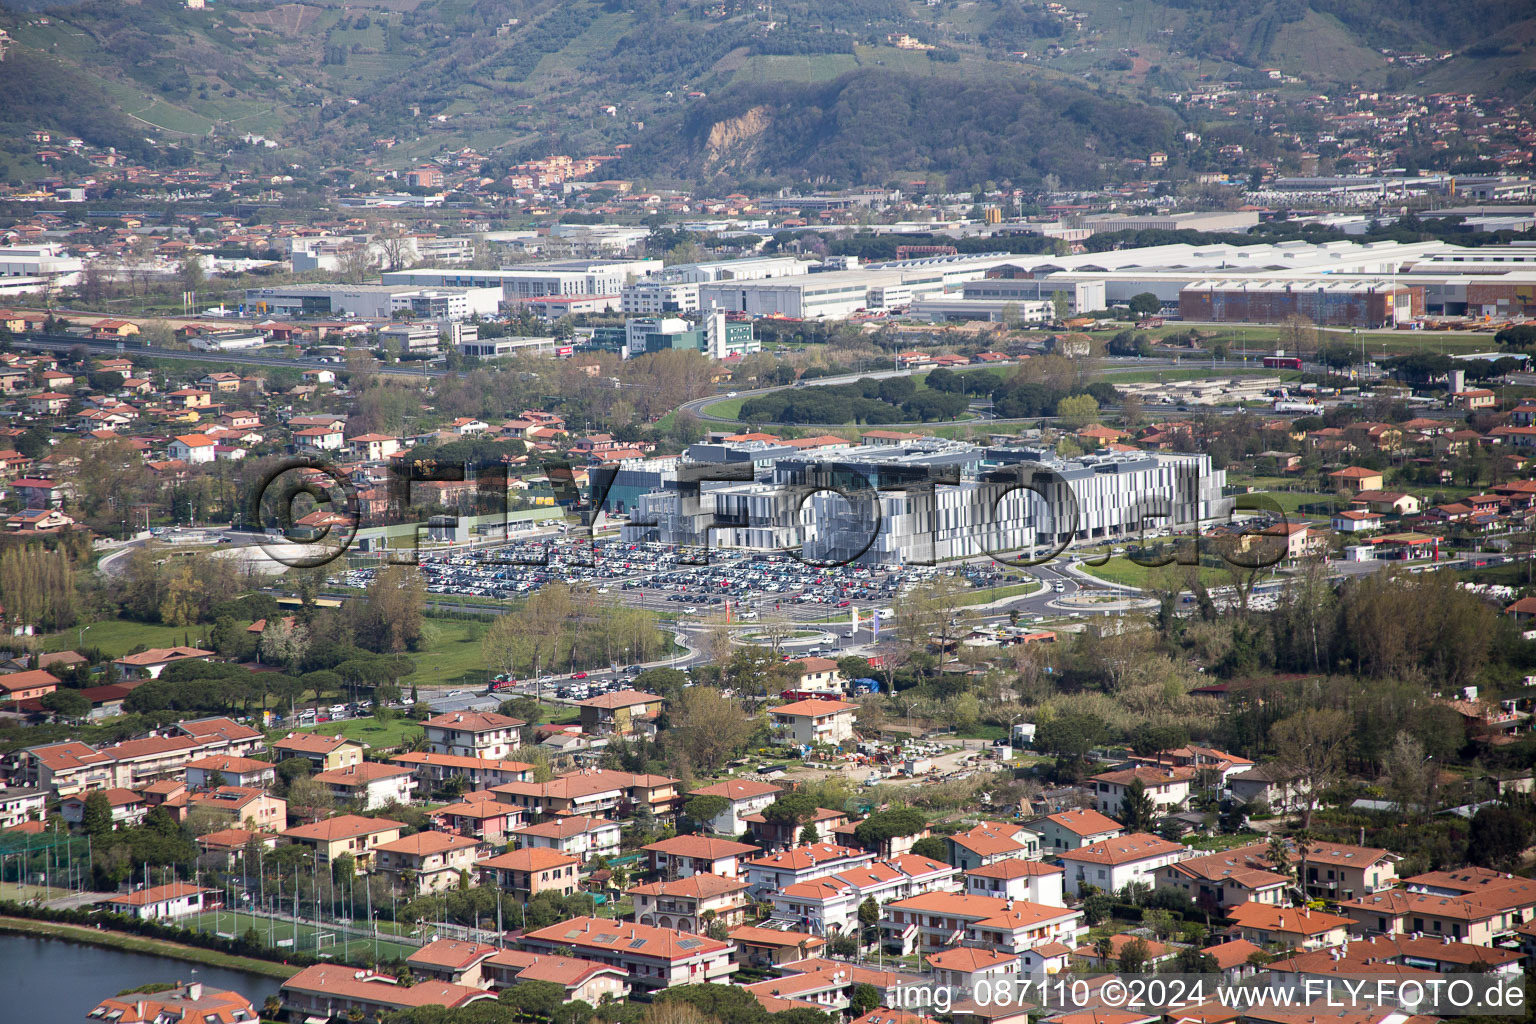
(283, 933)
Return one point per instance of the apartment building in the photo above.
(1068, 830)
(368, 785)
(427, 861)
(1015, 879)
(936, 921)
(433, 770)
(587, 980)
(743, 797)
(528, 872)
(324, 753)
(691, 904)
(682, 856)
(830, 905)
(73, 767)
(346, 833)
(1169, 788)
(814, 723)
(990, 842)
(482, 734)
(618, 713)
(594, 792)
(574, 835)
(655, 958)
(1112, 864)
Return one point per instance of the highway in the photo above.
(64, 342)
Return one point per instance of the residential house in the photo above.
(1388, 503)
(481, 816)
(743, 797)
(482, 734)
(27, 685)
(1356, 478)
(682, 856)
(433, 770)
(1112, 864)
(939, 920)
(455, 961)
(819, 674)
(428, 861)
(784, 835)
(594, 792)
(369, 785)
(773, 871)
(830, 905)
(617, 713)
(128, 808)
(574, 835)
(990, 842)
(324, 753)
(1218, 881)
(1168, 788)
(1068, 830)
(691, 904)
(1472, 905)
(193, 449)
(332, 991)
(589, 981)
(526, 873)
(769, 947)
(149, 664)
(226, 769)
(1338, 871)
(814, 723)
(240, 805)
(19, 804)
(1030, 880)
(1270, 786)
(346, 833)
(655, 958)
(191, 1002)
(1290, 927)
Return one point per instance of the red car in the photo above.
(578, 675)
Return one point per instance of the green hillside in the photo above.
(517, 78)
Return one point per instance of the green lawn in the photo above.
(116, 637)
(452, 655)
(378, 735)
(1120, 569)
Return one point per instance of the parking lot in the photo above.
(667, 578)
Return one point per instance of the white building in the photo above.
(830, 905)
(374, 301)
(163, 902)
(520, 284)
(193, 449)
(815, 722)
(1031, 880)
(46, 264)
(743, 797)
(676, 289)
(1112, 864)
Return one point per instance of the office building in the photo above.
(713, 335)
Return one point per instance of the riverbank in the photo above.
(141, 944)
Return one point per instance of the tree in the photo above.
(1409, 775)
(932, 847)
(708, 729)
(1145, 304)
(869, 912)
(1134, 956)
(864, 999)
(1309, 749)
(1138, 811)
(1076, 411)
(1497, 837)
(96, 815)
(538, 999)
(71, 704)
(809, 835)
(704, 809)
(1061, 305)
(883, 826)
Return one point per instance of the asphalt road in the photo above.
(59, 343)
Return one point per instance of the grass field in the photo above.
(140, 944)
(378, 735)
(1122, 570)
(453, 653)
(116, 637)
(302, 938)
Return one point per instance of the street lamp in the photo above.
(82, 635)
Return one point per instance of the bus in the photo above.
(1282, 362)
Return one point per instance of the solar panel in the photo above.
(689, 943)
(636, 943)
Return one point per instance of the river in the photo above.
(52, 981)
